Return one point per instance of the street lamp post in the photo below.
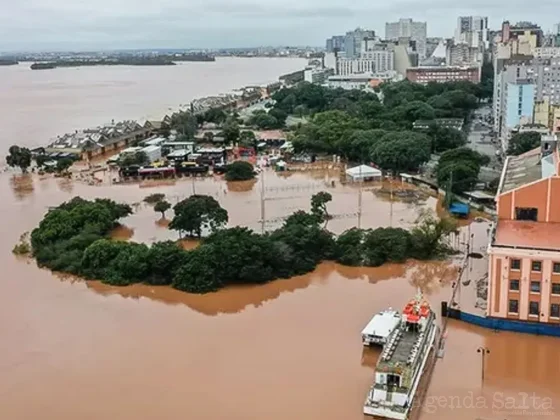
(483, 352)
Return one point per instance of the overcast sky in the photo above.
(113, 24)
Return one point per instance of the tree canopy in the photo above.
(19, 157)
(161, 207)
(196, 213)
(239, 171)
(523, 142)
(73, 238)
(357, 126)
(460, 167)
(139, 158)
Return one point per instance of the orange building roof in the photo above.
(527, 234)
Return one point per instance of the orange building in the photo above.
(524, 250)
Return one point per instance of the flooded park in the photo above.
(289, 349)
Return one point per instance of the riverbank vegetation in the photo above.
(74, 238)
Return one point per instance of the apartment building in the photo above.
(407, 28)
(442, 74)
(507, 72)
(461, 54)
(353, 42)
(547, 74)
(335, 43)
(382, 53)
(346, 66)
(524, 252)
(472, 31)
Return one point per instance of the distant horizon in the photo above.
(162, 49)
(36, 26)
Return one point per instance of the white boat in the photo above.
(402, 362)
(380, 327)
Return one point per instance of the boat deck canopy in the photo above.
(382, 324)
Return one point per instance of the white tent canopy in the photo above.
(363, 172)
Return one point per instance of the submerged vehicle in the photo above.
(402, 362)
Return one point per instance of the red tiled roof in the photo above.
(522, 233)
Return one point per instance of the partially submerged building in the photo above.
(95, 141)
(524, 252)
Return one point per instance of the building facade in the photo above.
(442, 74)
(508, 71)
(524, 253)
(407, 28)
(519, 104)
(335, 43)
(463, 55)
(317, 75)
(472, 31)
(346, 66)
(353, 42)
(547, 74)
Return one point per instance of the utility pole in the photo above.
(391, 204)
(360, 200)
(448, 192)
(262, 202)
(483, 352)
(193, 186)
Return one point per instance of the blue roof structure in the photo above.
(459, 209)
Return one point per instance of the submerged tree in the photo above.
(319, 205)
(161, 207)
(19, 157)
(198, 212)
(239, 171)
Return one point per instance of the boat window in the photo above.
(393, 380)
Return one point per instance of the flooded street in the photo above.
(290, 349)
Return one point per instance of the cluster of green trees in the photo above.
(358, 126)
(139, 158)
(73, 238)
(158, 201)
(459, 168)
(239, 171)
(523, 142)
(19, 157)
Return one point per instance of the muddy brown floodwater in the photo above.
(286, 350)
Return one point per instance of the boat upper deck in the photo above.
(402, 348)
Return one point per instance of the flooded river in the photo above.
(290, 349)
(36, 106)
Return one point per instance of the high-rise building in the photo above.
(407, 28)
(473, 31)
(353, 42)
(519, 103)
(508, 73)
(461, 54)
(335, 43)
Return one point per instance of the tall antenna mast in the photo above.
(360, 201)
(262, 202)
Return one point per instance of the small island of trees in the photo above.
(74, 238)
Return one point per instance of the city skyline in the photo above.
(39, 25)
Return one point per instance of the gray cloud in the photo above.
(106, 24)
